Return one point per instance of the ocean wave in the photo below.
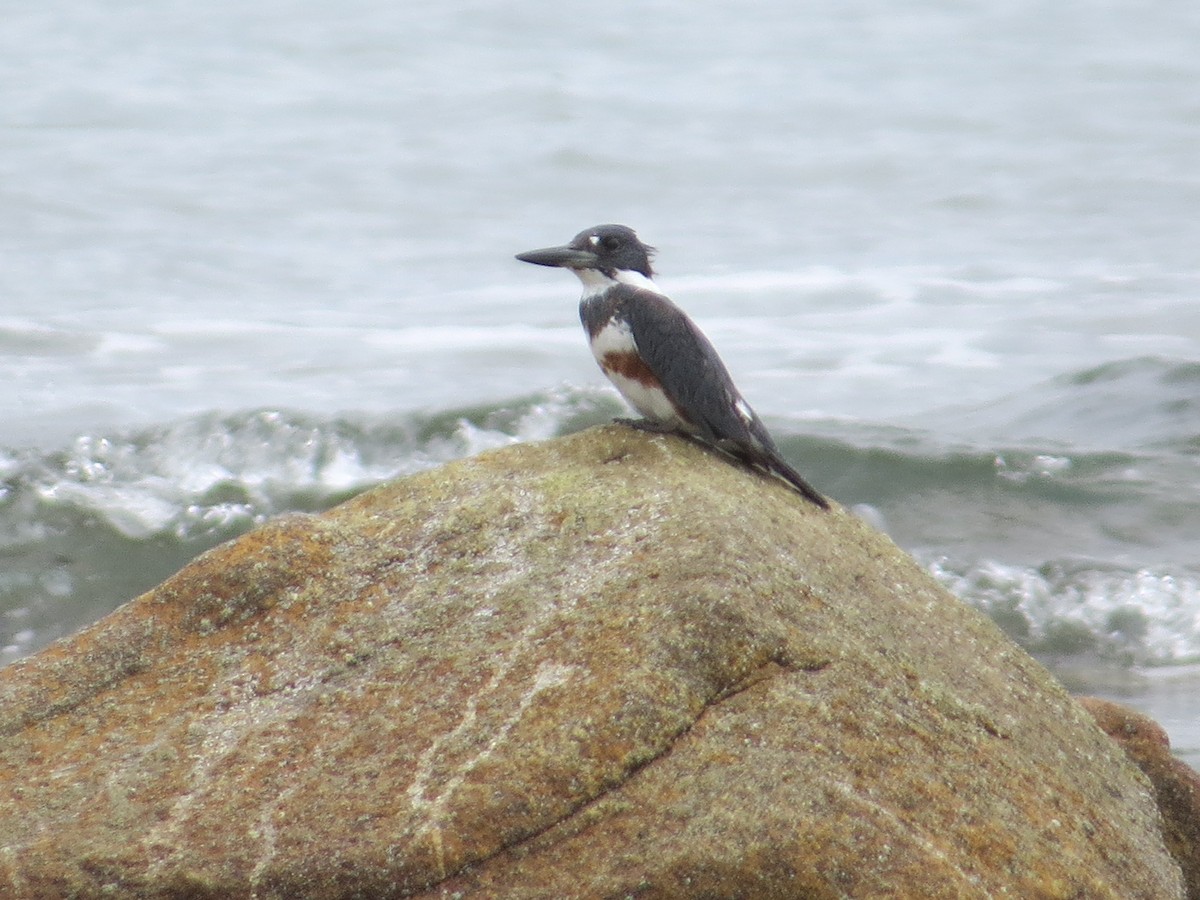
(1145, 402)
(1069, 608)
(883, 465)
(30, 339)
(210, 472)
(98, 521)
(896, 283)
(1073, 553)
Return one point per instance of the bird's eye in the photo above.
(611, 242)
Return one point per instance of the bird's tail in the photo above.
(762, 453)
(792, 477)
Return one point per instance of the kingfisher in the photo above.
(656, 356)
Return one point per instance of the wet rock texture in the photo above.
(607, 665)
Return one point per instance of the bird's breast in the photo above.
(613, 335)
(617, 353)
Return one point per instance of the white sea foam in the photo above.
(538, 422)
(122, 344)
(213, 471)
(1150, 617)
(498, 338)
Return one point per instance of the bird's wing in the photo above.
(697, 382)
(692, 374)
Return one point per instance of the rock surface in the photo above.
(607, 665)
(1176, 785)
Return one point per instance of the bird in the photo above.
(656, 356)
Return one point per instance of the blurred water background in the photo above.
(258, 257)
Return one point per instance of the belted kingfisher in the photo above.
(656, 356)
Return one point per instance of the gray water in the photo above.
(258, 257)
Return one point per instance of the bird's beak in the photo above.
(562, 257)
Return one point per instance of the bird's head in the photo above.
(608, 249)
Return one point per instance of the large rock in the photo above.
(607, 665)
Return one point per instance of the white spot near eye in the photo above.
(594, 240)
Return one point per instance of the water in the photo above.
(257, 258)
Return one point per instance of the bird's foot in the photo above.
(647, 425)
